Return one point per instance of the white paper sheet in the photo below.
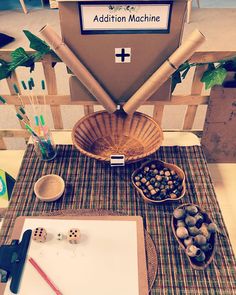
(105, 262)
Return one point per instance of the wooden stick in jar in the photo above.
(80, 71)
(183, 53)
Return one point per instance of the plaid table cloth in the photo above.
(94, 185)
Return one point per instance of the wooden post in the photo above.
(158, 113)
(10, 82)
(2, 144)
(195, 90)
(50, 77)
(88, 109)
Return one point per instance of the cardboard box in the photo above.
(219, 136)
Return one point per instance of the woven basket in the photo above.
(100, 135)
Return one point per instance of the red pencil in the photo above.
(44, 276)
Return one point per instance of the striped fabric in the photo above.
(91, 184)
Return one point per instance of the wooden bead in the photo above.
(73, 236)
(39, 235)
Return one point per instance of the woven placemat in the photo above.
(151, 254)
(91, 184)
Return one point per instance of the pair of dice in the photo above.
(40, 235)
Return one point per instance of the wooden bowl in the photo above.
(49, 187)
(100, 135)
(213, 240)
(160, 164)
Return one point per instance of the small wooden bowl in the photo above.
(160, 164)
(100, 135)
(49, 187)
(213, 240)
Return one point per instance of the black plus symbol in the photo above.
(123, 55)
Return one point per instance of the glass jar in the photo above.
(44, 146)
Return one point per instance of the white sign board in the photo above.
(133, 17)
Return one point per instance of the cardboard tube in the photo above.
(80, 71)
(183, 53)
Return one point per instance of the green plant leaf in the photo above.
(4, 69)
(36, 43)
(19, 58)
(214, 77)
(211, 66)
(175, 79)
(184, 66)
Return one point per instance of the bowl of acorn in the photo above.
(159, 182)
(195, 232)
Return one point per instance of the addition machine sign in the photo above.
(119, 18)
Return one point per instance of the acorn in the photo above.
(179, 213)
(204, 231)
(180, 222)
(212, 227)
(207, 247)
(152, 192)
(138, 183)
(177, 192)
(146, 169)
(182, 232)
(152, 174)
(199, 219)
(193, 251)
(143, 180)
(150, 187)
(190, 220)
(200, 240)
(158, 178)
(157, 184)
(173, 196)
(157, 191)
(200, 257)
(188, 241)
(152, 181)
(167, 173)
(191, 210)
(171, 187)
(193, 230)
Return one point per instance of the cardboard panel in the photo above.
(219, 136)
(97, 52)
(79, 92)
